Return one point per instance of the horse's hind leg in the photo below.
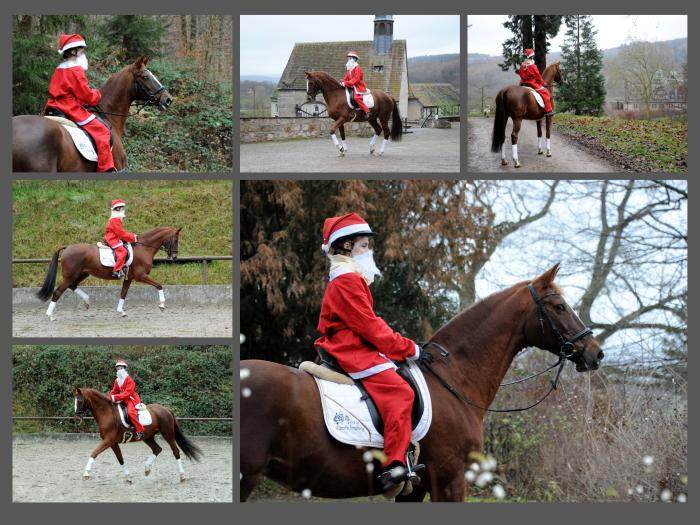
(170, 438)
(337, 124)
(58, 292)
(387, 133)
(514, 141)
(120, 459)
(342, 137)
(122, 297)
(155, 450)
(377, 132)
(80, 293)
(539, 137)
(549, 140)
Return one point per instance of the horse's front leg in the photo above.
(118, 452)
(122, 297)
(514, 141)
(377, 133)
(338, 124)
(539, 137)
(449, 485)
(549, 140)
(342, 137)
(104, 445)
(161, 295)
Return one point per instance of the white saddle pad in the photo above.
(107, 255)
(367, 98)
(80, 138)
(538, 97)
(144, 415)
(347, 416)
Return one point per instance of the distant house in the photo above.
(383, 61)
(432, 100)
(668, 92)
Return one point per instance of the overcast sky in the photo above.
(267, 41)
(487, 34)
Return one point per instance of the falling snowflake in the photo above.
(306, 493)
(666, 495)
(484, 479)
(367, 457)
(470, 476)
(682, 498)
(648, 461)
(245, 373)
(370, 467)
(242, 338)
(246, 392)
(499, 492)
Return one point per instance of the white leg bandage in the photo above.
(374, 139)
(515, 151)
(549, 144)
(81, 294)
(89, 464)
(161, 296)
(503, 153)
(125, 469)
(179, 466)
(539, 142)
(120, 305)
(384, 143)
(51, 308)
(335, 140)
(345, 146)
(150, 460)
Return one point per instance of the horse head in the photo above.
(558, 78)
(313, 86)
(172, 245)
(81, 406)
(552, 324)
(147, 88)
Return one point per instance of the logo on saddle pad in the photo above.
(83, 142)
(538, 97)
(144, 415)
(347, 411)
(107, 257)
(367, 98)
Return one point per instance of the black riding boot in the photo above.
(392, 476)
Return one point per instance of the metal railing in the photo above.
(202, 259)
(58, 418)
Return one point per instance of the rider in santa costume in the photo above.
(115, 234)
(69, 90)
(530, 76)
(354, 79)
(362, 343)
(124, 391)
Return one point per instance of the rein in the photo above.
(566, 350)
(151, 100)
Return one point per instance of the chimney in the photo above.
(383, 33)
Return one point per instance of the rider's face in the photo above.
(360, 246)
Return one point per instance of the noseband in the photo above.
(150, 95)
(567, 345)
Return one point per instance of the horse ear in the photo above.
(76, 391)
(179, 229)
(138, 63)
(547, 277)
(144, 60)
(307, 74)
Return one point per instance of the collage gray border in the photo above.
(290, 512)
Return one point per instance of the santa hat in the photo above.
(353, 54)
(529, 53)
(66, 42)
(118, 202)
(121, 362)
(335, 228)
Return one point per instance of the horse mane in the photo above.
(95, 393)
(155, 232)
(325, 78)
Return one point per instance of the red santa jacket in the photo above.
(362, 343)
(69, 90)
(126, 393)
(530, 76)
(353, 78)
(115, 233)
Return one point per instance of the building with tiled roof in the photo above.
(383, 60)
(432, 100)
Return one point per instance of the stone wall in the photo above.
(281, 128)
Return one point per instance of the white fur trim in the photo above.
(67, 64)
(89, 119)
(325, 248)
(338, 273)
(417, 354)
(113, 399)
(71, 45)
(372, 370)
(349, 230)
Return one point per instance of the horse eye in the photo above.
(561, 307)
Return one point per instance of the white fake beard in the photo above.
(121, 376)
(365, 261)
(118, 214)
(350, 64)
(82, 61)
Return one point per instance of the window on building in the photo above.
(378, 69)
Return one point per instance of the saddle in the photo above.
(330, 363)
(536, 94)
(366, 97)
(109, 258)
(144, 415)
(82, 139)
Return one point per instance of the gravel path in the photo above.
(567, 156)
(49, 469)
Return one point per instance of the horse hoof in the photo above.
(121, 313)
(540, 152)
(182, 478)
(86, 305)
(549, 153)
(516, 164)
(371, 151)
(162, 307)
(128, 481)
(341, 154)
(147, 472)
(86, 476)
(504, 162)
(52, 318)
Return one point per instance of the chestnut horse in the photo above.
(283, 435)
(44, 145)
(518, 103)
(340, 112)
(81, 260)
(112, 431)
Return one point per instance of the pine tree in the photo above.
(582, 63)
(531, 31)
(136, 35)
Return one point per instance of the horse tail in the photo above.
(190, 450)
(499, 124)
(396, 124)
(50, 280)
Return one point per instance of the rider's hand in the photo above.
(136, 238)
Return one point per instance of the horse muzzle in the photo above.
(165, 101)
(588, 358)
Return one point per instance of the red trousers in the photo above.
(100, 134)
(394, 399)
(358, 98)
(134, 416)
(121, 254)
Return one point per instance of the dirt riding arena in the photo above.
(426, 150)
(191, 311)
(566, 155)
(49, 468)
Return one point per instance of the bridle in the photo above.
(566, 351)
(138, 86)
(170, 246)
(314, 87)
(84, 407)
